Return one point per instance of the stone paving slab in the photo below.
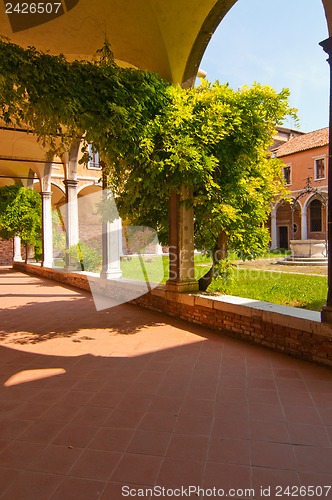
(93, 402)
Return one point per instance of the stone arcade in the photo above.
(167, 37)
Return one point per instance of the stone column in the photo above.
(111, 237)
(304, 223)
(112, 233)
(17, 257)
(71, 217)
(30, 249)
(326, 314)
(274, 229)
(47, 229)
(30, 253)
(181, 244)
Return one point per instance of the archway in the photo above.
(288, 223)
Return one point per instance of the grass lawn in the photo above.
(297, 290)
(280, 287)
(155, 268)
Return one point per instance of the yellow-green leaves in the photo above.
(20, 213)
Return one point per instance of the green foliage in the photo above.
(60, 100)
(20, 214)
(106, 208)
(156, 137)
(224, 274)
(38, 249)
(87, 258)
(214, 139)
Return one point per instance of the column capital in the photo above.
(327, 46)
(46, 194)
(70, 182)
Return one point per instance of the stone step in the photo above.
(305, 261)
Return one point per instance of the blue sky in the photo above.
(275, 43)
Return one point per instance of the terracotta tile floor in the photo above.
(93, 401)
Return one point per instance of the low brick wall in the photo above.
(7, 253)
(296, 332)
(289, 330)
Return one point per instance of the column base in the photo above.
(182, 286)
(45, 263)
(326, 314)
(109, 275)
(18, 259)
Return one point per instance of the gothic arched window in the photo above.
(316, 215)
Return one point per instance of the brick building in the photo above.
(305, 157)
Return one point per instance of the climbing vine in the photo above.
(59, 100)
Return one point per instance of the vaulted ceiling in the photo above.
(167, 36)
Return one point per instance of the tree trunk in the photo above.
(219, 253)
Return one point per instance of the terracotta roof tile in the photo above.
(304, 142)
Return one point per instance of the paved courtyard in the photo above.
(94, 401)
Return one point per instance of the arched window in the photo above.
(316, 215)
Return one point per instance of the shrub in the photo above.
(87, 258)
